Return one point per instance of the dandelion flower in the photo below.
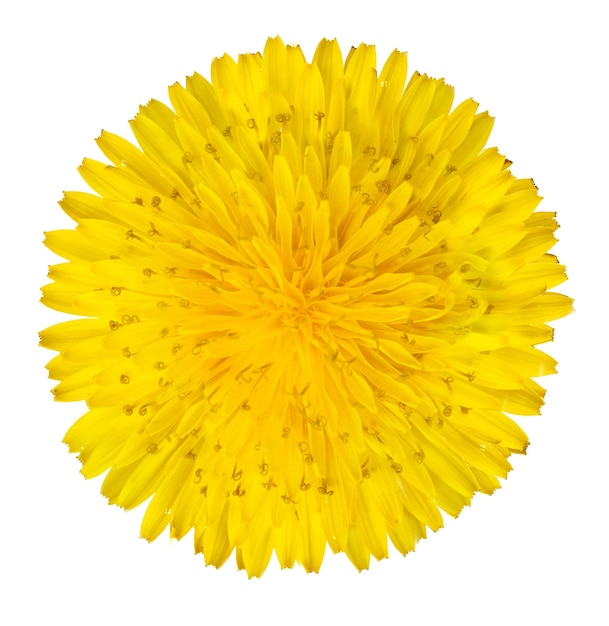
(304, 306)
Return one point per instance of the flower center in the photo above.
(294, 315)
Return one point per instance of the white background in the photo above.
(535, 552)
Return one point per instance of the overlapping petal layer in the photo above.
(305, 305)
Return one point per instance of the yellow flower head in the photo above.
(305, 304)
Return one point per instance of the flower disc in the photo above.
(304, 306)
